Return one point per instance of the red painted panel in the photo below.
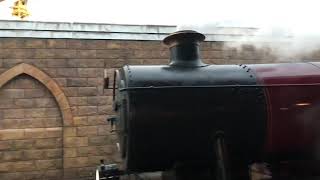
(293, 98)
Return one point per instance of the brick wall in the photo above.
(39, 139)
(30, 131)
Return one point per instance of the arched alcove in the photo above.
(52, 87)
(47, 81)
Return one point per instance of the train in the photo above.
(206, 121)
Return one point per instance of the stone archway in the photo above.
(47, 81)
(55, 90)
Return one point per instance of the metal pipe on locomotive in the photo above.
(213, 121)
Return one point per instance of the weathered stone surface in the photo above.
(100, 100)
(5, 145)
(35, 133)
(12, 155)
(87, 63)
(13, 93)
(52, 122)
(13, 113)
(44, 102)
(95, 82)
(87, 110)
(86, 54)
(75, 141)
(67, 72)
(87, 130)
(97, 120)
(10, 134)
(98, 140)
(106, 109)
(35, 43)
(90, 72)
(23, 166)
(23, 144)
(77, 82)
(69, 131)
(49, 143)
(95, 44)
(33, 93)
(56, 63)
(61, 81)
(70, 152)
(48, 164)
(78, 101)
(81, 121)
(70, 91)
(88, 91)
(56, 43)
(76, 162)
(24, 103)
(113, 54)
(29, 123)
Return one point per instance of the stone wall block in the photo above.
(35, 43)
(69, 131)
(97, 120)
(80, 121)
(88, 91)
(48, 143)
(56, 43)
(13, 93)
(87, 110)
(33, 93)
(90, 72)
(67, 72)
(22, 144)
(95, 44)
(13, 113)
(5, 145)
(87, 130)
(86, 54)
(70, 152)
(24, 103)
(98, 140)
(86, 63)
(48, 164)
(78, 101)
(12, 155)
(75, 44)
(76, 162)
(77, 82)
(44, 102)
(75, 141)
(10, 134)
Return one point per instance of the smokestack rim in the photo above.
(189, 36)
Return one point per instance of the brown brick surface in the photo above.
(75, 141)
(56, 43)
(76, 162)
(88, 91)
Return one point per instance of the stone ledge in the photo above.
(65, 30)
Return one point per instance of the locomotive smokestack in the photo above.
(184, 48)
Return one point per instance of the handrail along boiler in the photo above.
(213, 121)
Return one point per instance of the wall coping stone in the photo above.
(75, 30)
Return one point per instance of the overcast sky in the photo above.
(288, 13)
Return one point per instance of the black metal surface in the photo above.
(221, 156)
(163, 126)
(184, 48)
(168, 113)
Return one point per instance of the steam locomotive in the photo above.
(206, 121)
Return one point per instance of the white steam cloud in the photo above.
(289, 30)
